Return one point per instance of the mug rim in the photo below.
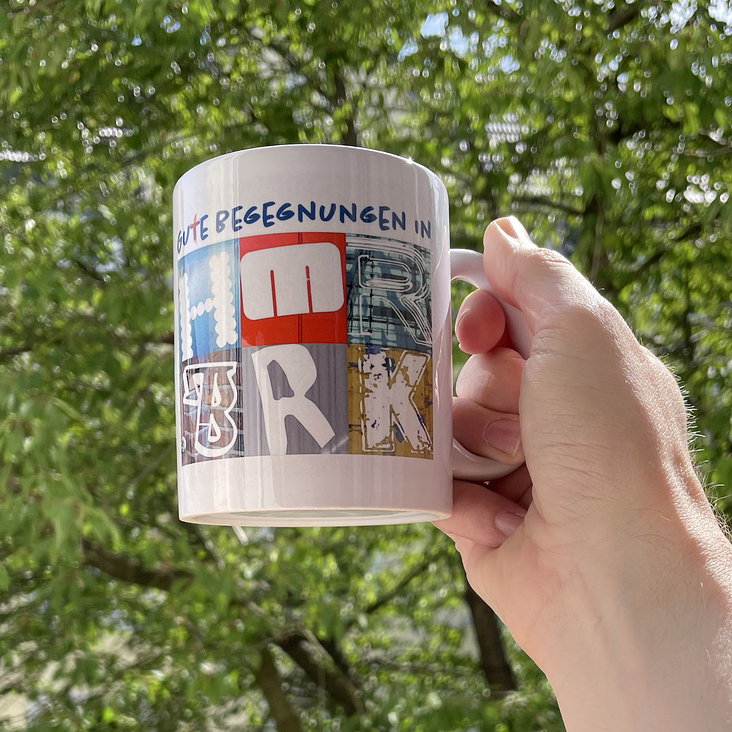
(330, 145)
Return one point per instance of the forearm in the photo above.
(660, 656)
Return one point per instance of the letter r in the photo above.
(298, 366)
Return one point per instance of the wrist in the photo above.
(654, 636)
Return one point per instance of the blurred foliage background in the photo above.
(605, 125)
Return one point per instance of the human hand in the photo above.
(601, 554)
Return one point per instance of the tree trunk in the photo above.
(271, 685)
(493, 659)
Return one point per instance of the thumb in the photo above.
(538, 281)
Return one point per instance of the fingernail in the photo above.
(464, 310)
(504, 434)
(515, 229)
(508, 522)
(461, 315)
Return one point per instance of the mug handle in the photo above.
(467, 265)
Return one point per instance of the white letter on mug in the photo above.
(388, 389)
(211, 388)
(396, 277)
(221, 302)
(299, 368)
(291, 280)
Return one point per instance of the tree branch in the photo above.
(43, 5)
(544, 201)
(270, 683)
(687, 328)
(723, 145)
(89, 271)
(502, 11)
(334, 651)
(130, 570)
(622, 16)
(632, 275)
(411, 667)
(295, 64)
(15, 351)
(598, 254)
(150, 467)
(387, 597)
(198, 538)
(351, 135)
(338, 685)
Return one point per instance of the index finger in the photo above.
(481, 323)
(540, 282)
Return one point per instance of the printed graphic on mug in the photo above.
(331, 332)
(390, 401)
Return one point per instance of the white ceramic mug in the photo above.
(313, 341)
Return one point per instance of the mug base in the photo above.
(314, 490)
(316, 517)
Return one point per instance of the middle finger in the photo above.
(492, 380)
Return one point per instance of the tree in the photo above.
(604, 126)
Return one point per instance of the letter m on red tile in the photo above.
(293, 288)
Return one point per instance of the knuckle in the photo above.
(582, 314)
(669, 387)
(545, 262)
(574, 296)
(461, 409)
(474, 378)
